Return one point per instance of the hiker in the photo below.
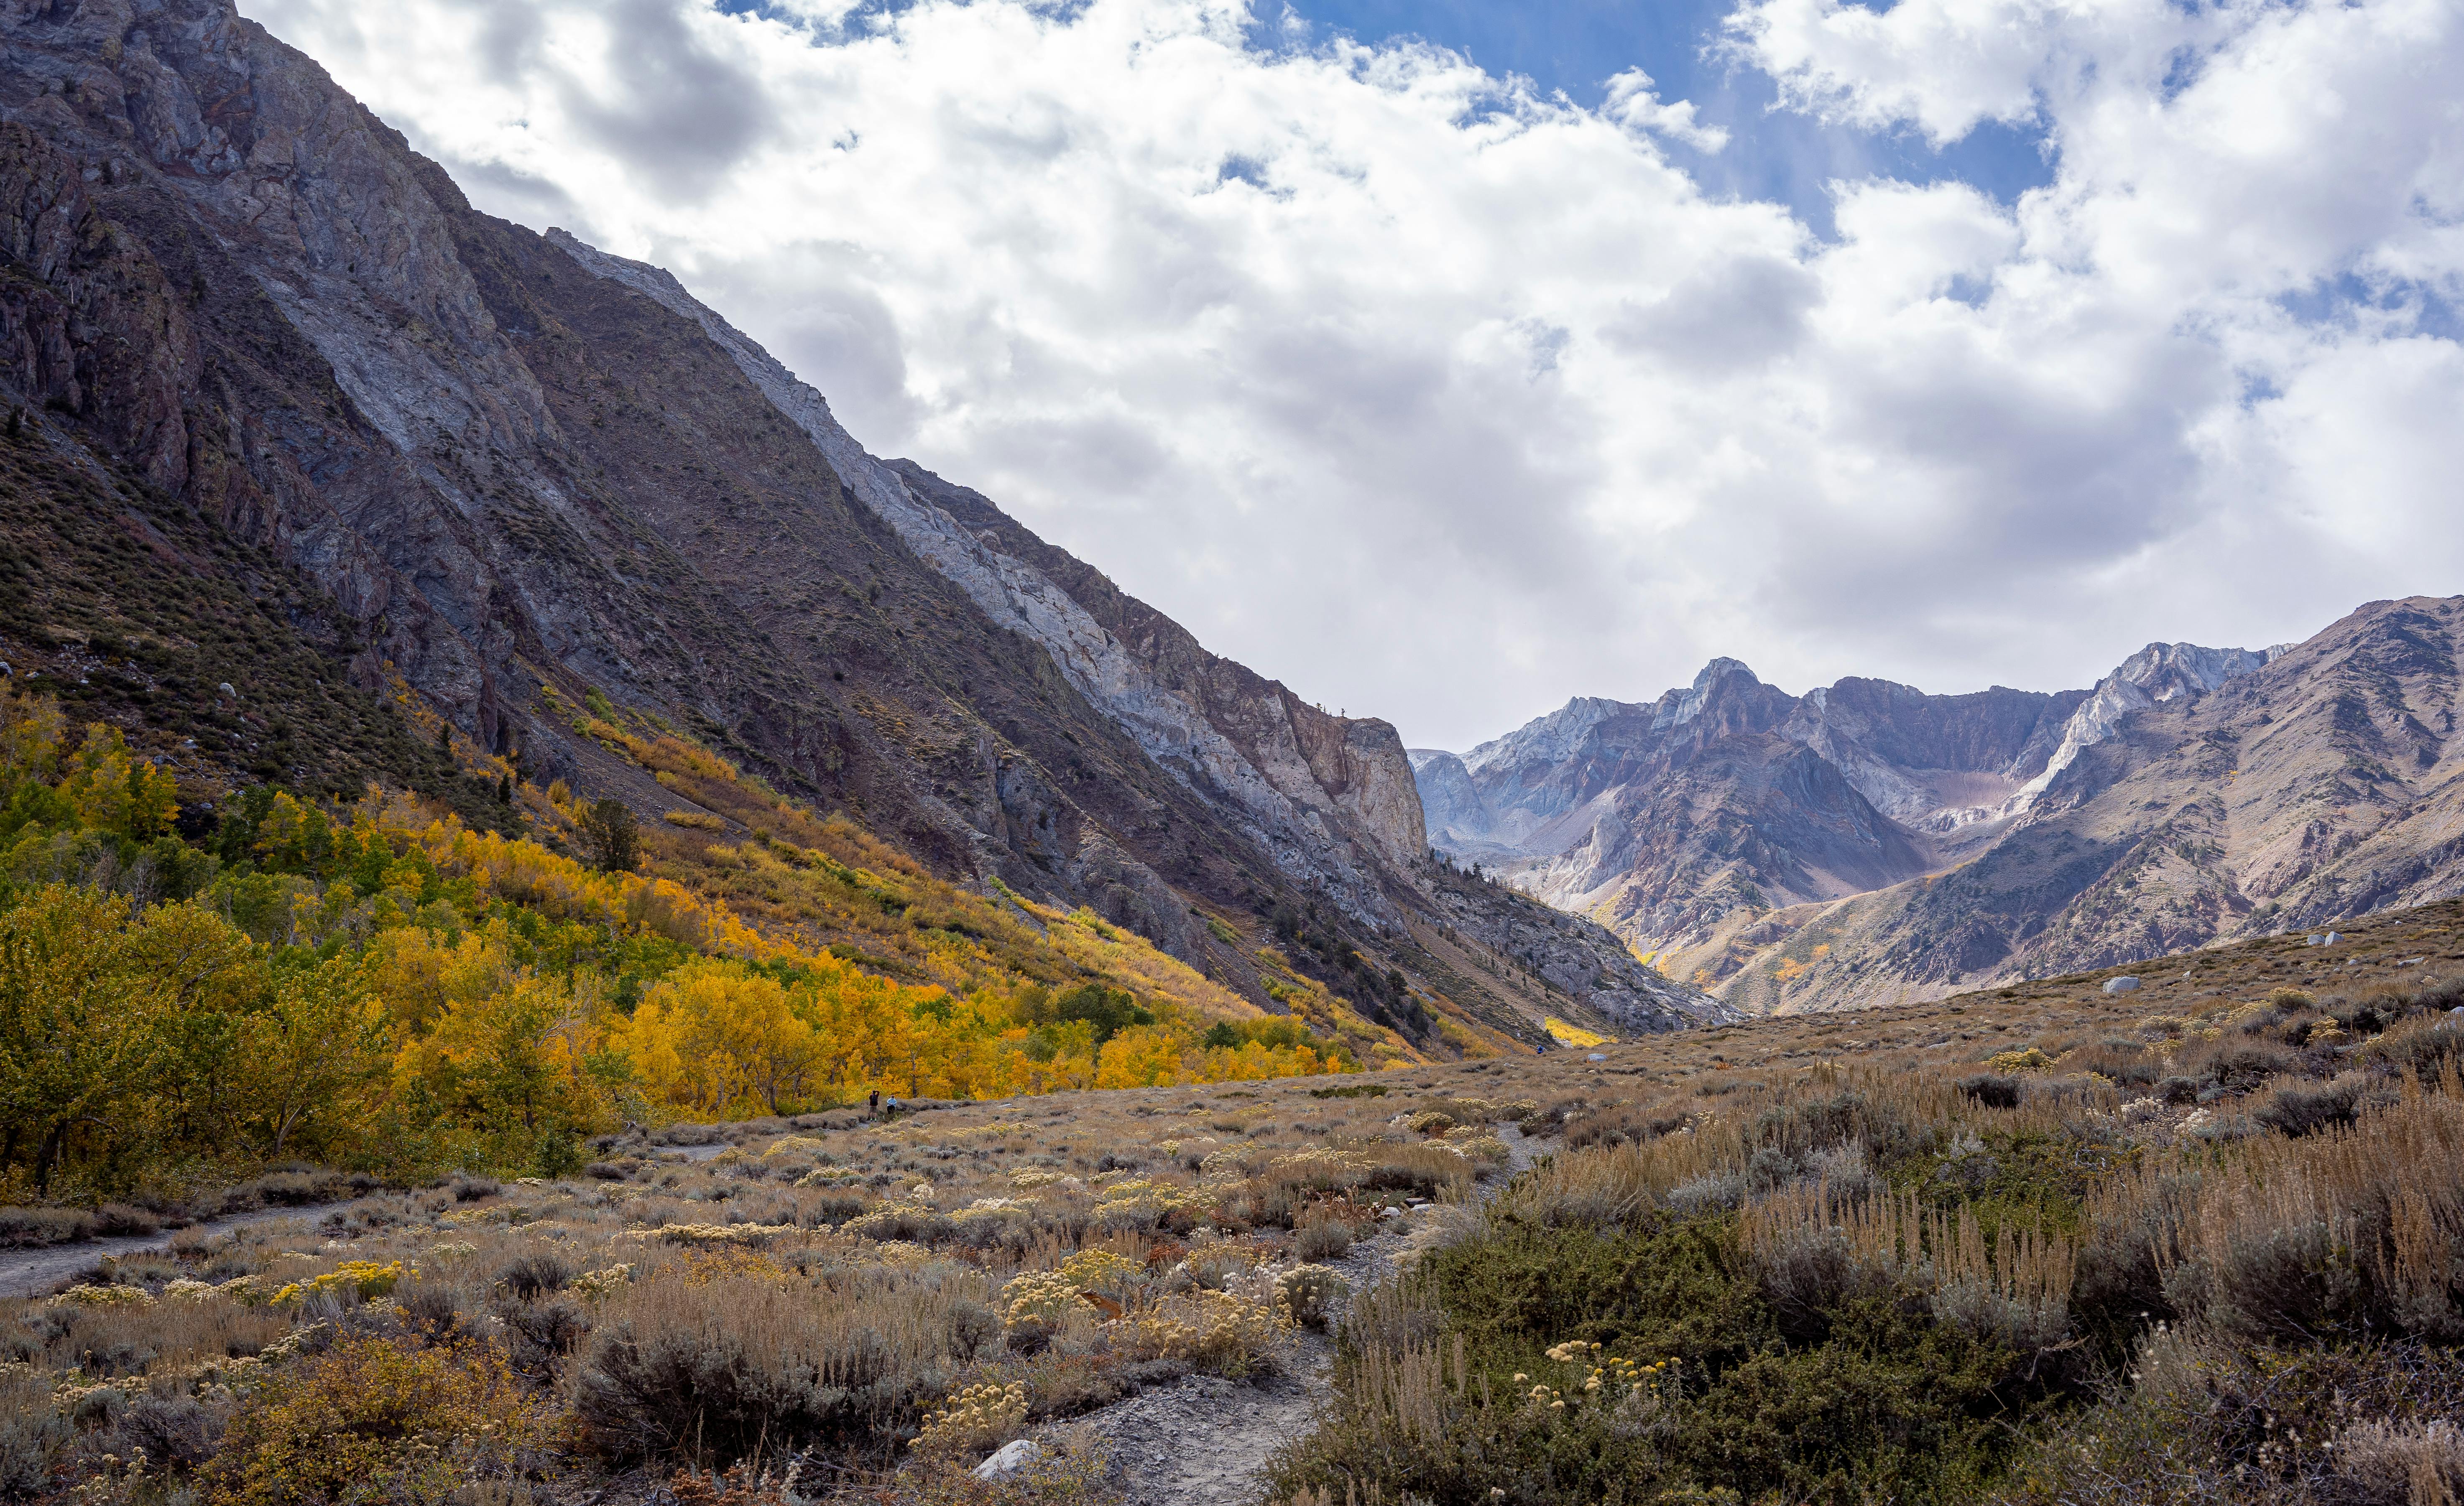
(872, 1109)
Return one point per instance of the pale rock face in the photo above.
(1550, 739)
(1452, 803)
(1689, 705)
(2158, 672)
(1300, 797)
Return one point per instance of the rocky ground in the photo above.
(1205, 1441)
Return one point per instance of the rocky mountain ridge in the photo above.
(1837, 846)
(1305, 785)
(519, 473)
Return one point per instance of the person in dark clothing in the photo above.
(872, 1109)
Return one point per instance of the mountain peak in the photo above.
(1720, 669)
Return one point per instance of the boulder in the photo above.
(1008, 1459)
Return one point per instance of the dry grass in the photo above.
(826, 1282)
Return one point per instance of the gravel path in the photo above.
(1205, 1441)
(32, 1273)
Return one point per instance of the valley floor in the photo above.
(1914, 1255)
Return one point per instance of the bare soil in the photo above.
(36, 1271)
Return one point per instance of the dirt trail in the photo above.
(1205, 1441)
(31, 1273)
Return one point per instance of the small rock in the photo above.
(2120, 984)
(1390, 1212)
(1008, 1459)
(1596, 1057)
(2333, 937)
(225, 689)
(2313, 940)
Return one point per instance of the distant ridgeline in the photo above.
(378, 985)
(1867, 844)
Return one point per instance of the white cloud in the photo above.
(1445, 401)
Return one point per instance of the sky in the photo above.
(1447, 359)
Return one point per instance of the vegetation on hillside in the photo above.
(381, 987)
(839, 889)
(209, 653)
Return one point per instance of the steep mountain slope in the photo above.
(520, 475)
(2194, 795)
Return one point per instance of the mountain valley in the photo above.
(500, 477)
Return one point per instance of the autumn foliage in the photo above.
(385, 987)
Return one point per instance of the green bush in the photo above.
(1873, 1400)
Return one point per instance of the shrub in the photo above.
(382, 1418)
(2209, 1421)
(533, 1276)
(975, 1330)
(2347, 1232)
(1229, 1332)
(2127, 1240)
(44, 1226)
(1624, 1124)
(973, 1419)
(430, 1310)
(1889, 1407)
(1311, 1293)
(116, 1219)
(833, 1209)
(176, 1432)
(1713, 1193)
(723, 1366)
(2302, 1111)
(2240, 1068)
(1826, 1124)
(1323, 1240)
(2026, 1058)
(2421, 1046)
(2178, 1090)
(33, 1435)
(917, 1225)
(285, 1190)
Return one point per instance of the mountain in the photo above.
(499, 476)
(1867, 842)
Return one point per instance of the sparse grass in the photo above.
(1861, 1276)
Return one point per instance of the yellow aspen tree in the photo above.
(317, 1057)
(110, 790)
(30, 735)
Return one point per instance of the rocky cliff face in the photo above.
(1312, 790)
(524, 471)
(1456, 815)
